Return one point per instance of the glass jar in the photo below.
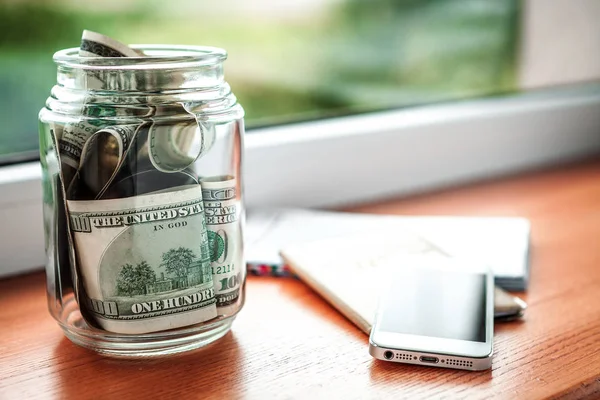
(143, 212)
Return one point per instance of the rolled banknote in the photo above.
(97, 45)
(176, 146)
(223, 221)
(72, 139)
(144, 261)
(101, 158)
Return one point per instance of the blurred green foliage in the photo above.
(334, 58)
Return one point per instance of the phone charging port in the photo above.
(429, 359)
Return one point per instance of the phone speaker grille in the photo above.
(404, 357)
(458, 362)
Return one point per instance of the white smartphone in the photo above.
(436, 312)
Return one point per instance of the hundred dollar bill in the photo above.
(171, 146)
(144, 261)
(102, 155)
(91, 156)
(174, 147)
(223, 221)
(63, 245)
(72, 139)
(97, 45)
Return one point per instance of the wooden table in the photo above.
(289, 343)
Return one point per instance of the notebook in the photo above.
(501, 242)
(350, 271)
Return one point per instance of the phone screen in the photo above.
(436, 303)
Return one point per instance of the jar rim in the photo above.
(158, 56)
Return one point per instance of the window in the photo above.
(289, 61)
(425, 93)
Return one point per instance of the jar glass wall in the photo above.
(143, 213)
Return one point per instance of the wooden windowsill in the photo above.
(289, 343)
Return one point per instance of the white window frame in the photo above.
(364, 158)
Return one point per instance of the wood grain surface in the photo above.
(288, 343)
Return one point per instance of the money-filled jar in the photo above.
(141, 150)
